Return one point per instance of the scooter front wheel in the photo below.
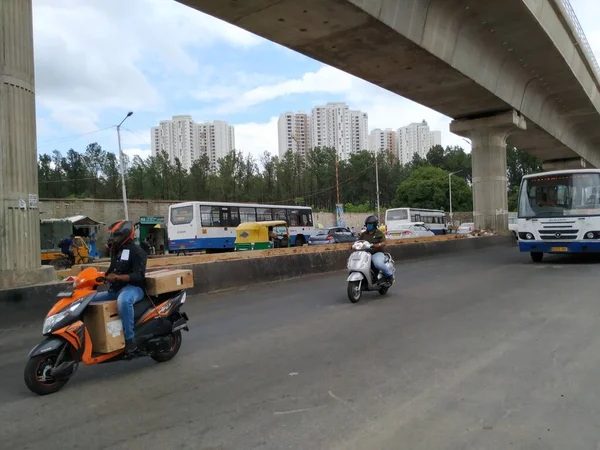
(37, 375)
(354, 291)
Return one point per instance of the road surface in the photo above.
(483, 351)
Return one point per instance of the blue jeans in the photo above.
(378, 260)
(126, 298)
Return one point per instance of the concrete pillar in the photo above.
(19, 214)
(565, 164)
(488, 141)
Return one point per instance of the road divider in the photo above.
(235, 270)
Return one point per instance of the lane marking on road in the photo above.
(293, 411)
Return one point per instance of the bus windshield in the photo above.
(571, 194)
(182, 215)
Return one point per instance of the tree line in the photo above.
(292, 179)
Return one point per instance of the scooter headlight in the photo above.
(56, 320)
(51, 322)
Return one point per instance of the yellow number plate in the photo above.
(559, 249)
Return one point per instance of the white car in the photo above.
(409, 230)
(465, 228)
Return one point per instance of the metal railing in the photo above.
(580, 35)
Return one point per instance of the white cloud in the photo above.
(256, 138)
(133, 152)
(95, 55)
(326, 79)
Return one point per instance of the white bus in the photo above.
(559, 212)
(211, 226)
(434, 219)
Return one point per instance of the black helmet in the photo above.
(119, 233)
(372, 219)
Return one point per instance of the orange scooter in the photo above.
(158, 324)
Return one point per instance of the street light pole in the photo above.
(377, 185)
(122, 159)
(450, 192)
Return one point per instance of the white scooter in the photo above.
(363, 276)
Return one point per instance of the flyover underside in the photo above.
(461, 58)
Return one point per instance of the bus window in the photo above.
(279, 214)
(306, 219)
(216, 216)
(206, 216)
(247, 215)
(293, 218)
(182, 215)
(263, 214)
(234, 216)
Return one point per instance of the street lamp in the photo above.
(122, 159)
(450, 193)
(377, 185)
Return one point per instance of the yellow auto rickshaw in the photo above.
(60, 261)
(261, 235)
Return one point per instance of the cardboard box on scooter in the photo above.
(105, 327)
(163, 281)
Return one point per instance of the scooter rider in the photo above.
(126, 275)
(376, 238)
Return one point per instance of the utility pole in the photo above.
(337, 179)
(377, 185)
(450, 192)
(122, 159)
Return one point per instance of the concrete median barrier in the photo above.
(18, 305)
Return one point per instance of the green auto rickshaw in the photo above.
(261, 235)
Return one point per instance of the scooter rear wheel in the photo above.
(37, 376)
(170, 354)
(354, 291)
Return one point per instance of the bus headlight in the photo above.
(529, 236)
(592, 235)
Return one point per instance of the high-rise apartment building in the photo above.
(294, 133)
(383, 140)
(335, 125)
(436, 138)
(416, 138)
(187, 140)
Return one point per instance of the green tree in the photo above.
(427, 187)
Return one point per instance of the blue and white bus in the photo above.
(434, 219)
(211, 226)
(559, 212)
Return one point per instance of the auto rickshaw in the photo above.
(258, 236)
(61, 261)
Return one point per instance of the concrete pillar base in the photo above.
(565, 164)
(488, 158)
(10, 279)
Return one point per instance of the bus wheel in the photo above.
(537, 257)
(300, 241)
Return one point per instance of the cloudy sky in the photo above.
(98, 59)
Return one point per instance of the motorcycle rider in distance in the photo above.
(126, 275)
(376, 238)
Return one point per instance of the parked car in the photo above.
(410, 230)
(334, 235)
(465, 228)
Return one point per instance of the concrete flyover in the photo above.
(516, 70)
(485, 351)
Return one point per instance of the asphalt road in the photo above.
(483, 351)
